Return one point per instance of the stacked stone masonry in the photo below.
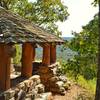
(31, 89)
(40, 86)
(52, 81)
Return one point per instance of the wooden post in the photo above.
(34, 52)
(27, 57)
(4, 67)
(46, 54)
(52, 54)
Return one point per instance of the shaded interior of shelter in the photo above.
(15, 75)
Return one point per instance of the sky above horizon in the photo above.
(81, 12)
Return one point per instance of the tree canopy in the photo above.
(85, 44)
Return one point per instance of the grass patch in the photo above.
(89, 85)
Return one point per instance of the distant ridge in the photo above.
(63, 55)
(67, 38)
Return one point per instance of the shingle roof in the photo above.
(14, 28)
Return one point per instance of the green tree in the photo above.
(85, 44)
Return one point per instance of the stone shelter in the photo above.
(17, 30)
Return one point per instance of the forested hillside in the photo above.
(62, 54)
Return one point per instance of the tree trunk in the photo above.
(97, 95)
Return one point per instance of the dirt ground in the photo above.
(75, 93)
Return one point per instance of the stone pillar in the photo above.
(27, 58)
(46, 54)
(52, 54)
(4, 67)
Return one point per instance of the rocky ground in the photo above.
(75, 93)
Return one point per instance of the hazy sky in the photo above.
(81, 12)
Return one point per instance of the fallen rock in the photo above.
(36, 79)
(54, 79)
(63, 78)
(12, 98)
(54, 71)
(16, 93)
(59, 84)
(62, 91)
(21, 95)
(40, 88)
(9, 94)
(45, 96)
(67, 85)
(21, 86)
(29, 85)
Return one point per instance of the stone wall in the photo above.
(39, 87)
(31, 89)
(52, 80)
